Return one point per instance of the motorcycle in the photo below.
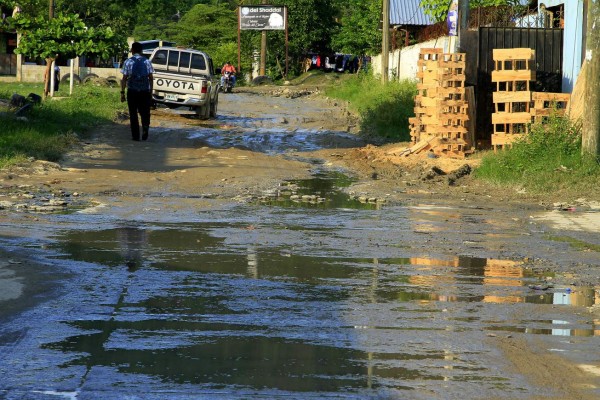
(227, 82)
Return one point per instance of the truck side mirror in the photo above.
(218, 71)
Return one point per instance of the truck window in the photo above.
(174, 59)
(184, 61)
(198, 61)
(210, 66)
(160, 58)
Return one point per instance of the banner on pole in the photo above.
(262, 17)
(452, 19)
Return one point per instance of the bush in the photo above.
(547, 160)
(51, 128)
(384, 109)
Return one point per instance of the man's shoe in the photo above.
(145, 134)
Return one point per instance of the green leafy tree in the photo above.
(311, 26)
(157, 19)
(119, 15)
(64, 35)
(359, 33)
(28, 7)
(205, 27)
(438, 9)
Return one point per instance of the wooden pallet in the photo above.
(546, 104)
(501, 140)
(513, 74)
(441, 112)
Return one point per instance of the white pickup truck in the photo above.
(185, 77)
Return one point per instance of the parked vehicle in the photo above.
(227, 82)
(185, 77)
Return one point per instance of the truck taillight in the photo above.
(204, 87)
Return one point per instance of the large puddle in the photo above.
(294, 304)
(307, 293)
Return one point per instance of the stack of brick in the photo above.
(440, 122)
(513, 74)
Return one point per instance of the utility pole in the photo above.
(263, 53)
(263, 50)
(463, 18)
(51, 62)
(385, 41)
(591, 111)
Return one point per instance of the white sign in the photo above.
(262, 17)
(452, 19)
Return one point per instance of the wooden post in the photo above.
(385, 41)
(463, 18)
(49, 61)
(239, 41)
(263, 53)
(287, 42)
(71, 72)
(263, 49)
(591, 112)
(19, 61)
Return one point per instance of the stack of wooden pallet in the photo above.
(516, 106)
(513, 75)
(546, 104)
(441, 111)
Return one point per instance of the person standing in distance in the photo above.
(138, 78)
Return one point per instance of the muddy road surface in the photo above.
(271, 254)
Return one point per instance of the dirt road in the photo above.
(401, 277)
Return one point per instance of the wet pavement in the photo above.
(264, 301)
(305, 292)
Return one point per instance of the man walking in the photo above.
(138, 78)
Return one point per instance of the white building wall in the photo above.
(573, 43)
(403, 62)
(573, 37)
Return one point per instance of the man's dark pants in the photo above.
(139, 102)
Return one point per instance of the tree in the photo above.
(64, 35)
(156, 18)
(119, 15)
(359, 33)
(438, 9)
(311, 26)
(591, 114)
(205, 27)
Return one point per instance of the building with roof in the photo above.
(568, 15)
(408, 13)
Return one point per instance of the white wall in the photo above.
(403, 63)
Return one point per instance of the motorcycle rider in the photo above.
(228, 68)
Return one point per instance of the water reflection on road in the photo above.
(273, 302)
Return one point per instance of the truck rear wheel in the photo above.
(213, 107)
(203, 112)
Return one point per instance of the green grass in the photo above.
(384, 109)
(52, 127)
(576, 243)
(548, 160)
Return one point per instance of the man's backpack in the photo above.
(138, 80)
